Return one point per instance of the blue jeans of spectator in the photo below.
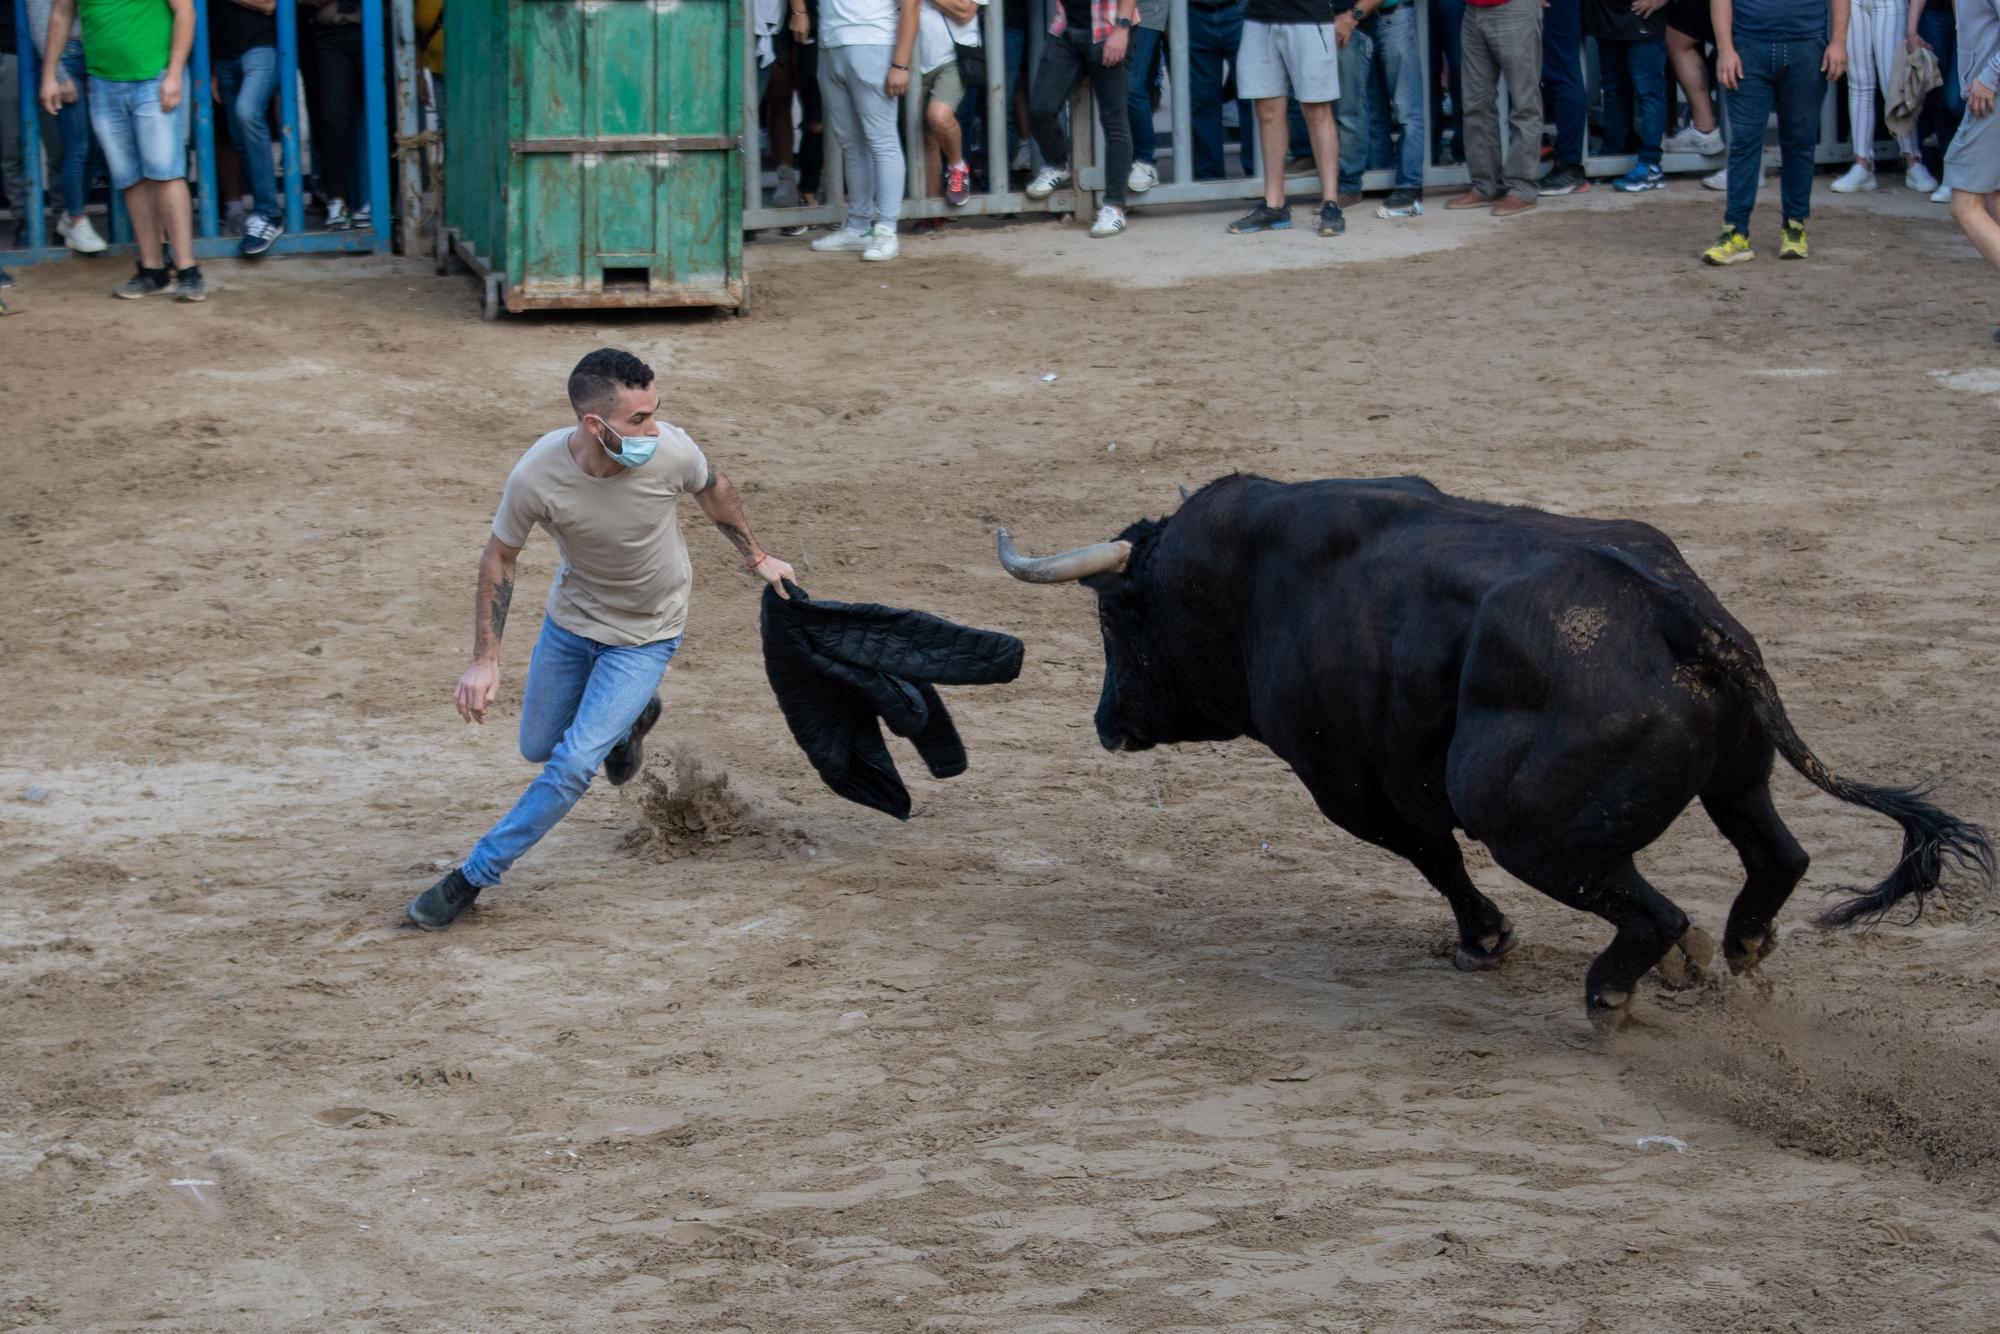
(581, 699)
(1446, 18)
(1945, 106)
(1213, 35)
(1634, 80)
(1381, 57)
(1784, 76)
(1564, 96)
(1143, 57)
(72, 129)
(246, 83)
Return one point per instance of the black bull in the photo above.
(1558, 688)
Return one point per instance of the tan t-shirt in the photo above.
(624, 575)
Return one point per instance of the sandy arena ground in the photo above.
(1093, 1042)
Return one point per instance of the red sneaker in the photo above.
(957, 184)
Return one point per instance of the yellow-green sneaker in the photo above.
(1732, 247)
(1793, 243)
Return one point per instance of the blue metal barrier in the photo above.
(210, 242)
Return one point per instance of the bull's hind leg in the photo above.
(1648, 922)
(1773, 865)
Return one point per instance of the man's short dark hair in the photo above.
(594, 384)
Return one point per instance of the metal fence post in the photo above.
(288, 115)
(1182, 103)
(753, 157)
(36, 204)
(376, 107)
(200, 91)
(993, 36)
(409, 165)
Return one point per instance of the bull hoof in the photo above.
(1687, 960)
(1744, 953)
(1493, 947)
(1609, 1010)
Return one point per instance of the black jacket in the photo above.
(839, 667)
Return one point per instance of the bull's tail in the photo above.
(1932, 840)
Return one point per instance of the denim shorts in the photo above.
(140, 141)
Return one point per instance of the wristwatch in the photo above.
(1122, 22)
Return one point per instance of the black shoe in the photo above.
(1330, 221)
(1262, 218)
(1564, 178)
(440, 905)
(621, 766)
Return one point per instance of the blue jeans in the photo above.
(140, 141)
(1212, 37)
(72, 128)
(1142, 58)
(1784, 76)
(581, 699)
(1565, 97)
(1382, 56)
(1945, 106)
(246, 83)
(1634, 77)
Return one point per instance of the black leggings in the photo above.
(805, 78)
(337, 108)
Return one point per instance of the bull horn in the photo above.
(1099, 558)
(1186, 495)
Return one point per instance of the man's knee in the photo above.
(940, 118)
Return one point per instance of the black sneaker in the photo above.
(189, 285)
(1262, 218)
(440, 905)
(1564, 178)
(1331, 223)
(144, 283)
(1402, 204)
(621, 766)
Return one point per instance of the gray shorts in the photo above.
(1972, 163)
(1306, 54)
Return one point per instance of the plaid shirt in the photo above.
(1102, 13)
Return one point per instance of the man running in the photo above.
(607, 490)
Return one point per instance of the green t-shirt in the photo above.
(126, 40)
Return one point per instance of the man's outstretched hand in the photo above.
(773, 572)
(477, 690)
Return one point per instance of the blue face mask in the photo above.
(633, 450)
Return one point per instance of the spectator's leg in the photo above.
(1946, 104)
(1861, 82)
(1403, 72)
(252, 127)
(1357, 62)
(1800, 94)
(1516, 34)
(844, 118)
(812, 119)
(1749, 105)
(1648, 63)
(1978, 216)
(1381, 151)
(1562, 71)
(337, 110)
(142, 205)
(73, 135)
(941, 124)
(882, 126)
(1141, 59)
(1110, 85)
(1019, 129)
(1480, 95)
(1325, 132)
(778, 111)
(1615, 83)
(1271, 118)
(1448, 22)
(13, 170)
(1206, 54)
(1691, 72)
(1056, 78)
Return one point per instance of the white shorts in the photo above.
(1306, 54)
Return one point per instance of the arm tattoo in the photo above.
(502, 596)
(738, 536)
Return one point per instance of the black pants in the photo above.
(337, 108)
(1066, 61)
(805, 79)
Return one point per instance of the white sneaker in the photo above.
(1690, 140)
(1047, 181)
(786, 195)
(882, 242)
(1716, 180)
(1941, 195)
(1110, 221)
(80, 236)
(1918, 177)
(1024, 157)
(1144, 177)
(845, 238)
(1854, 179)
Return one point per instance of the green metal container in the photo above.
(594, 152)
